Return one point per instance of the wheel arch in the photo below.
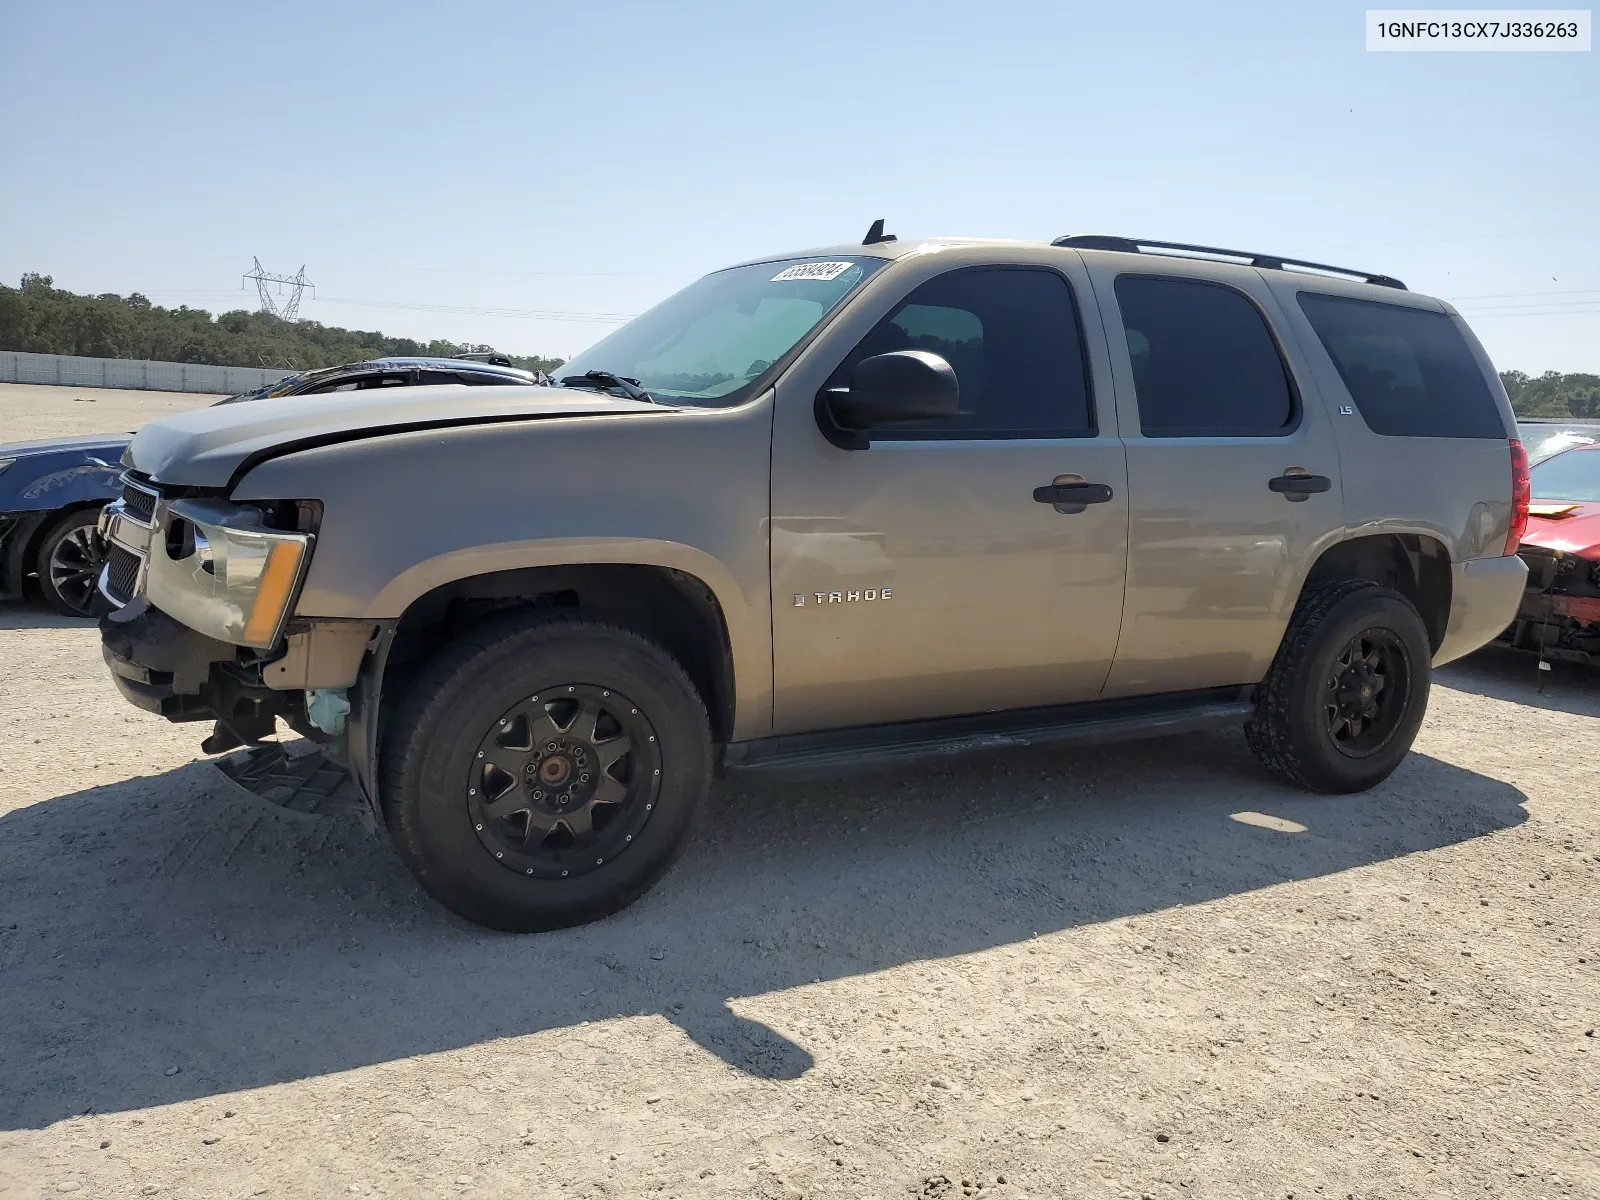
(672, 608)
(1415, 565)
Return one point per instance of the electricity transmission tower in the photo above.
(290, 309)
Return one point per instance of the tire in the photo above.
(69, 559)
(1312, 721)
(503, 696)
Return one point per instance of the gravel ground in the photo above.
(29, 411)
(1141, 971)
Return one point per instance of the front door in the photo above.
(1233, 473)
(921, 577)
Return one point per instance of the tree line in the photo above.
(1553, 394)
(40, 318)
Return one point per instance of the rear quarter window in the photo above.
(1409, 371)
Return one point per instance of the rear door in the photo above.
(1422, 420)
(1233, 473)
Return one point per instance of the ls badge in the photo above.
(844, 597)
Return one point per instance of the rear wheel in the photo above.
(545, 773)
(71, 554)
(1347, 692)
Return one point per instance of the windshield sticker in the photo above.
(822, 271)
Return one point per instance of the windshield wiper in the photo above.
(605, 381)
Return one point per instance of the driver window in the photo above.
(1012, 337)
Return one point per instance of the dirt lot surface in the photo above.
(1143, 971)
(29, 411)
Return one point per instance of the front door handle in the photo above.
(1072, 495)
(1298, 485)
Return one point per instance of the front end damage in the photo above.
(237, 658)
(1559, 616)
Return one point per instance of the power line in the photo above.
(1496, 316)
(474, 311)
(469, 310)
(561, 274)
(1471, 237)
(1547, 305)
(1513, 295)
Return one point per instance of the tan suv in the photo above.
(854, 505)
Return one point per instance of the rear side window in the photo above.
(1409, 371)
(1204, 362)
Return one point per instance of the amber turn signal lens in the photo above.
(277, 581)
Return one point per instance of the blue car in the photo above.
(51, 492)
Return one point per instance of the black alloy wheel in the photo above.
(544, 769)
(1347, 690)
(564, 781)
(1369, 684)
(71, 556)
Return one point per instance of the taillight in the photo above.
(1520, 496)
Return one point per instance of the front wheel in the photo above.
(1347, 692)
(71, 554)
(545, 772)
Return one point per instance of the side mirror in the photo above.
(904, 385)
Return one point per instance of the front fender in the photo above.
(61, 482)
(404, 514)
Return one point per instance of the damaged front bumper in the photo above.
(1559, 615)
(164, 667)
(202, 629)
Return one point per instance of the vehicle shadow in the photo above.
(1505, 674)
(166, 922)
(30, 613)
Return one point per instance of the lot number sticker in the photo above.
(823, 271)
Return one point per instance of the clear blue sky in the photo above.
(592, 157)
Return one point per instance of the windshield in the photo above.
(1570, 475)
(1543, 438)
(278, 387)
(712, 342)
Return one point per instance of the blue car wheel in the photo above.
(71, 554)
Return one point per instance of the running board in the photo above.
(296, 778)
(1096, 722)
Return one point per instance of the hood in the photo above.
(103, 443)
(211, 447)
(1566, 525)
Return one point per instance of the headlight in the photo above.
(225, 575)
(203, 552)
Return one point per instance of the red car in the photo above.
(1560, 612)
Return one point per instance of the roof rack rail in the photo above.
(1272, 262)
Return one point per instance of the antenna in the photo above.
(876, 234)
(290, 309)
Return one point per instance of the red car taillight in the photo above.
(1520, 496)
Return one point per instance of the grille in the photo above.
(122, 574)
(139, 501)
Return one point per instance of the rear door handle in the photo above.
(1299, 487)
(1072, 497)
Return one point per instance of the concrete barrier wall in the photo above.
(71, 371)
